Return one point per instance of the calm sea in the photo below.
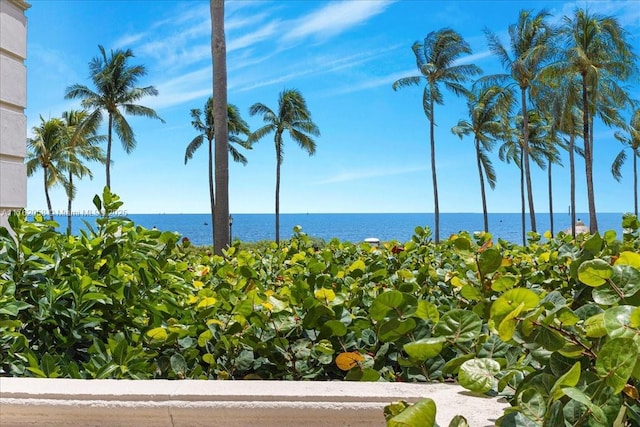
(351, 227)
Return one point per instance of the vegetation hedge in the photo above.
(553, 326)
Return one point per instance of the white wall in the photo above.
(13, 100)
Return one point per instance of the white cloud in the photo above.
(369, 173)
(335, 18)
(254, 37)
(196, 84)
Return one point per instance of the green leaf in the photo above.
(385, 303)
(617, 322)
(12, 308)
(504, 283)
(178, 365)
(425, 348)
(570, 378)
(459, 421)
(489, 261)
(478, 375)
(511, 300)
(420, 414)
(333, 328)
(593, 244)
(394, 329)
(615, 362)
(579, 396)
(624, 283)
(459, 325)
(427, 311)
(594, 272)
(594, 326)
(532, 404)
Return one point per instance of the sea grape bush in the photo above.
(553, 326)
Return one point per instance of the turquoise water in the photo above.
(351, 227)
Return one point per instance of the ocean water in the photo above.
(353, 227)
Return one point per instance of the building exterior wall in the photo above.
(13, 100)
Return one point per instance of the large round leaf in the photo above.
(625, 282)
(511, 300)
(394, 329)
(420, 414)
(425, 348)
(617, 322)
(629, 258)
(478, 375)
(459, 325)
(594, 272)
(489, 261)
(385, 303)
(616, 361)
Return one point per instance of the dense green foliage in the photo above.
(554, 326)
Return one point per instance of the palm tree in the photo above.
(560, 100)
(80, 141)
(488, 105)
(294, 117)
(512, 151)
(633, 143)
(437, 60)
(45, 150)
(596, 51)
(236, 126)
(530, 47)
(116, 93)
(221, 228)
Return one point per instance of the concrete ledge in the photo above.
(68, 402)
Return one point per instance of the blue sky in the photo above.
(372, 155)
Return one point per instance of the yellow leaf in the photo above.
(216, 321)
(207, 302)
(629, 258)
(198, 284)
(455, 281)
(193, 299)
(346, 361)
(357, 265)
(506, 262)
(159, 334)
(267, 305)
(324, 294)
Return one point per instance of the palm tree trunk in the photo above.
(212, 199)
(69, 202)
(525, 149)
(221, 127)
(436, 208)
(108, 161)
(278, 155)
(522, 200)
(572, 171)
(588, 159)
(46, 195)
(635, 182)
(550, 199)
(485, 214)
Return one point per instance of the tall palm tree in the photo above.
(45, 150)
(512, 151)
(632, 142)
(437, 59)
(80, 141)
(544, 137)
(488, 106)
(294, 117)
(560, 102)
(236, 126)
(530, 43)
(116, 93)
(221, 228)
(598, 52)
